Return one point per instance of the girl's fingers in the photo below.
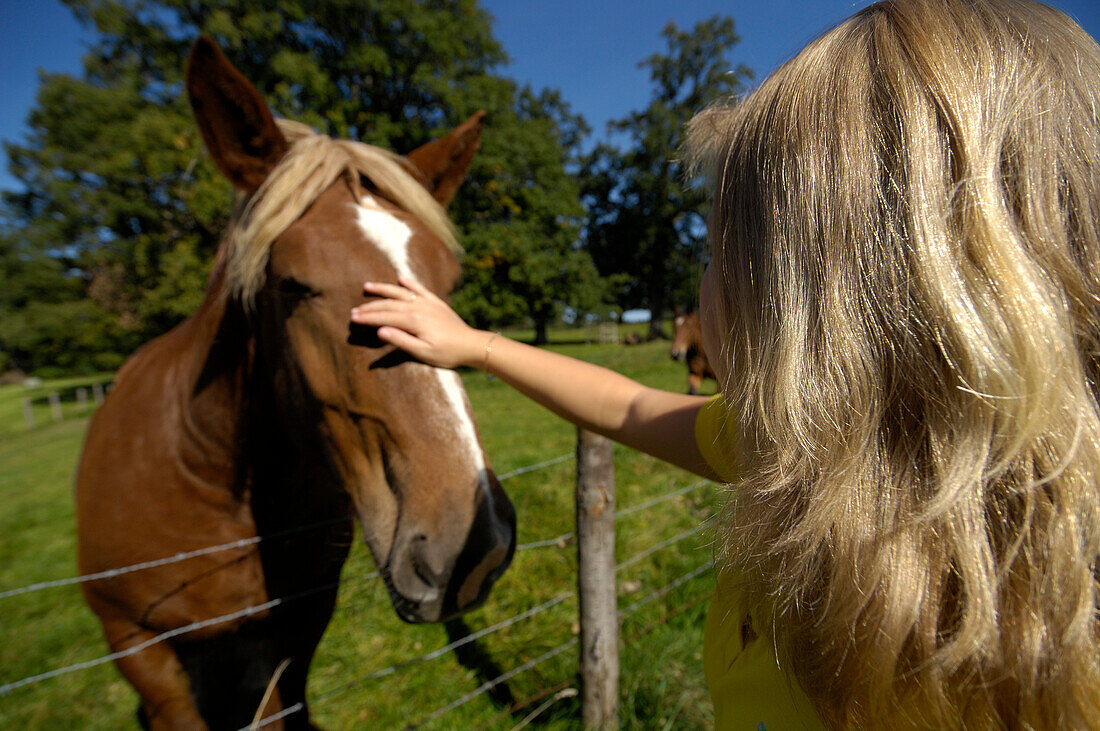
(410, 317)
(385, 289)
(381, 305)
(403, 340)
(385, 318)
(416, 287)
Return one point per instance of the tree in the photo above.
(522, 217)
(41, 313)
(645, 222)
(118, 184)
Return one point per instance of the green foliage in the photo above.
(645, 220)
(521, 216)
(74, 335)
(123, 208)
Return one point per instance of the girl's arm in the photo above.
(657, 422)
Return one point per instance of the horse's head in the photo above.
(321, 217)
(684, 329)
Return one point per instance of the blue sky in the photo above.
(587, 48)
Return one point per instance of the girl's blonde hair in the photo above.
(906, 233)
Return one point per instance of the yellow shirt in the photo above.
(749, 689)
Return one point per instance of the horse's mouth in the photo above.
(408, 610)
(443, 608)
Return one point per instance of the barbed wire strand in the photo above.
(248, 611)
(242, 543)
(521, 704)
(560, 541)
(263, 722)
(552, 541)
(176, 558)
(473, 636)
(663, 544)
(157, 639)
(560, 695)
(392, 669)
(254, 540)
(531, 468)
(664, 619)
(666, 588)
(663, 498)
(490, 684)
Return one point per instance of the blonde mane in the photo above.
(309, 167)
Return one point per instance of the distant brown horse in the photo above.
(687, 347)
(265, 414)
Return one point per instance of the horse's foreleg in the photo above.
(157, 675)
(694, 382)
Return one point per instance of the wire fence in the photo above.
(559, 541)
(243, 543)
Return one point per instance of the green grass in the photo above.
(661, 681)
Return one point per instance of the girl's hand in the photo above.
(415, 320)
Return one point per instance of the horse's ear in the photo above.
(444, 162)
(236, 124)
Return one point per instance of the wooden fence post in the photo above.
(28, 412)
(596, 581)
(97, 393)
(55, 405)
(81, 399)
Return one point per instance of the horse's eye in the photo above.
(290, 287)
(368, 185)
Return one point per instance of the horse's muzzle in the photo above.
(428, 582)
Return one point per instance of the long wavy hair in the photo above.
(906, 243)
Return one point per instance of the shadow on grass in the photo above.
(472, 657)
(555, 705)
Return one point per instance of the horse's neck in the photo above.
(211, 388)
(231, 422)
(232, 442)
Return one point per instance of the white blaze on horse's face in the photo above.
(453, 424)
(392, 236)
(385, 231)
(679, 342)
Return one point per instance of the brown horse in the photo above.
(265, 415)
(687, 347)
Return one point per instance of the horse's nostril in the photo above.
(424, 575)
(430, 572)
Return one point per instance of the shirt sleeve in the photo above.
(716, 436)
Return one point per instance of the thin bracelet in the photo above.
(488, 351)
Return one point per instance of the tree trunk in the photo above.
(656, 310)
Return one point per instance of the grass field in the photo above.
(661, 681)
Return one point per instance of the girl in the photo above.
(903, 311)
